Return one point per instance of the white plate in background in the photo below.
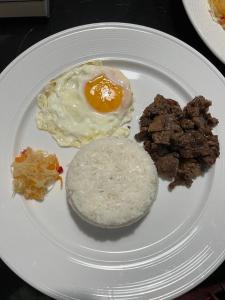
(178, 244)
(210, 31)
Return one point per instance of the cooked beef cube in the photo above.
(161, 137)
(193, 144)
(173, 125)
(211, 122)
(188, 170)
(174, 140)
(191, 167)
(181, 178)
(141, 136)
(160, 149)
(214, 144)
(168, 106)
(208, 160)
(185, 139)
(156, 150)
(162, 106)
(144, 121)
(167, 166)
(157, 124)
(197, 106)
(155, 156)
(187, 124)
(200, 122)
(148, 146)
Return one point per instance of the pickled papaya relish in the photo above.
(34, 171)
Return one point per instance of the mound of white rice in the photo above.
(111, 182)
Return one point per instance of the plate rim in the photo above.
(93, 26)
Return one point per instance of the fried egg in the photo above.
(86, 103)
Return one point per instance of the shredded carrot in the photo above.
(34, 172)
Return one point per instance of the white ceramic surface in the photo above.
(209, 30)
(178, 244)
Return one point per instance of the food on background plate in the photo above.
(111, 182)
(85, 103)
(217, 10)
(180, 142)
(34, 171)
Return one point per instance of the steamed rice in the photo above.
(111, 182)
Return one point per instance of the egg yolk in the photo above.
(103, 95)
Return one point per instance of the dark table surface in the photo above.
(16, 35)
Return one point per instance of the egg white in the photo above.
(65, 113)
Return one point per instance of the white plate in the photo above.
(210, 31)
(178, 244)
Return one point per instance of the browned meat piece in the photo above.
(155, 150)
(211, 122)
(141, 136)
(196, 107)
(187, 124)
(167, 106)
(208, 161)
(144, 121)
(191, 167)
(188, 170)
(161, 137)
(162, 106)
(182, 178)
(193, 144)
(200, 122)
(148, 146)
(181, 143)
(163, 128)
(157, 124)
(214, 144)
(167, 166)
(172, 125)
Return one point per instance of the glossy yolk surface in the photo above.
(103, 95)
